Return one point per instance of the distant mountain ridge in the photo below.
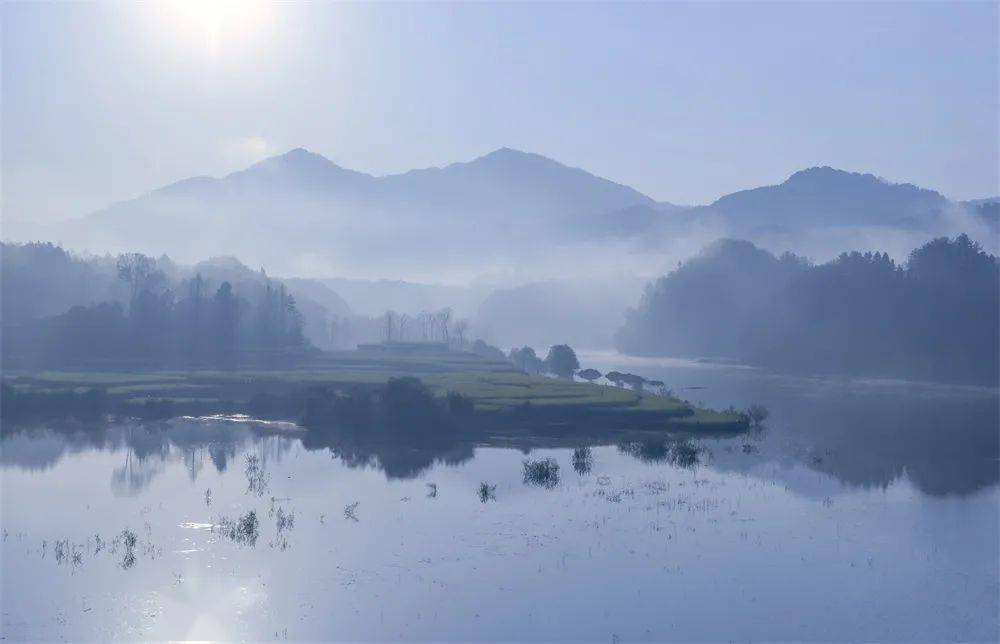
(831, 197)
(303, 214)
(502, 173)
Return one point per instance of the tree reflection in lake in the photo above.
(864, 432)
(144, 446)
(943, 439)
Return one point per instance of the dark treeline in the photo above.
(145, 314)
(403, 409)
(934, 318)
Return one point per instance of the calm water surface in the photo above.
(865, 510)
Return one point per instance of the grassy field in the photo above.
(494, 387)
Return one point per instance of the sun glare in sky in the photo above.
(214, 27)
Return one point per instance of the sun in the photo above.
(214, 27)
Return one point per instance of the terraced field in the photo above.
(492, 386)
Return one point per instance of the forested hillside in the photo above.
(934, 317)
(60, 310)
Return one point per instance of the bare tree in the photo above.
(426, 325)
(444, 321)
(460, 327)
(136, 270)
(390, 317)
(403, 320)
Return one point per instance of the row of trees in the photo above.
(393, 327)
(562, 361)
(937, 317)
(189, 323)
(426, 326)
(619, 379)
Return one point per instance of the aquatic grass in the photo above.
(656, 487)
(684, 453)
(61, 550)
(284, 521)
(583, 460)
(541, 473)
(257, 478)
(487, 492)
(128, 539)
(245, 530)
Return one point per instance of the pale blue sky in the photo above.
(685, 102)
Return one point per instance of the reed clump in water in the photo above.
(543, 472)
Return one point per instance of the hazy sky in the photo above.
(684, 102)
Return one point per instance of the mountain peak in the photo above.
(299, 167)
(299, 152)
(827, 178)
(510, 155)
(825, 174)
(300, 156)
(825, 196)
(505, 151)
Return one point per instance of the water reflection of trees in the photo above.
(144, 447)
(401, 457)
(943, 444)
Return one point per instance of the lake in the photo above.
(863, 510)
